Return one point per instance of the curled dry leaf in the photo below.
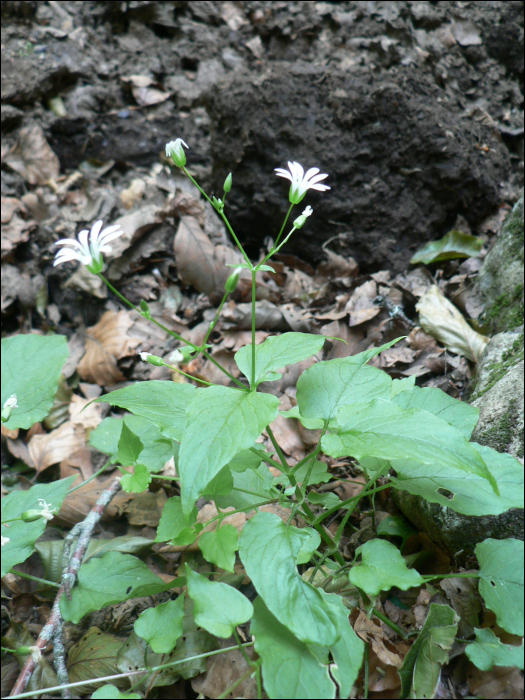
(107, 342)
(375, 636)
(55, 446)
(223, 671)
(33, 158)
(441, 319)
(361, 305)
(199, 262)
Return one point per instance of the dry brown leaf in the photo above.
(211, 373)
(86, 418)
(107, 342)
(223, 670)
(134, 226)
(133, 193)
(33, 158)
(55, 446)
(361, 305)
(83, 280)
(391, 356)
(501, 683)
(9, 207)
(8, 433)
(336, 267)
(288, 436)
(15, 232)
(268, 317)
(419, 340)
(78, 463)
(375, 636)
(463, 597)
(199, 262)
(235, 340)
(441, 319)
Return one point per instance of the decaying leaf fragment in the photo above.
(441, 319)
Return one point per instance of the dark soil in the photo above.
(412, 108)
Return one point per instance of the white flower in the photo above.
(174, 150)
(5, 540)
(302, 182)
(47, 512)
(11, 402)
(299, 222)
(89, 247)
(144, 356)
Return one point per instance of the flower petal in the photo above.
(65, 256)
(317, 178)
(283, 173)
(310, 173)
(320, 188)
(95, 230)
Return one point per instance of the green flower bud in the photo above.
(232, 281)
(175, 151)
(152, 359)
(299, 222)
(186, 353)
(144, 308)
(228, 183)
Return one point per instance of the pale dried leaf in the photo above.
(83, 280)
(87, 418)
(133, 193)
(10, 206)
(441, 319)
(223, 670)
(79, 463)
(33, 158)
(15, 232)
(199, 262)
(502, 683)
(375, 636)
(361, 305)
(107, 342)
(55, 446)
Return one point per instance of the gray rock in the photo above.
(498, 394)
(497, 390)
(500, 279)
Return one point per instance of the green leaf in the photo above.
(124, 577)
(461, 415)
(326, 386)
(501, 585)
(464, 492)
(220, 485)
(318, 475)
(138, 481)
(219, 608)
(245, 459)
(161, 626)
(219, 546)
(348, 651)
(163, 403)
(129, 446)
(255, 486)
(220, 423)
(382, 567)
(157, 449)
(382, 429)
(174, 525)
(269, 549)
(395, 526)
(405, 384)
(93, 656)
(308, 423)
(309, 546)
(454, 244)
(327, 500)
(275, 352)
(421, 667)
(31, 367)
(22, 536)
(488, 651)
(289, 669)
(111, 692)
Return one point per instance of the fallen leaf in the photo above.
(107, 342)
(199, 262)
(361, 305)
(222, 672)
(441, 319)
(55, 446)
(501, 682)
(15, 232)
(375, 636)
(33, 158)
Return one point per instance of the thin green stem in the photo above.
(93, 476)
(128, 674)
(275, 249)
(392, 625)
(282, 228)
(253, 387)
(266, 458)
(365, 492)
(367, 671)
(284, 464)
(222, 214)
(35, 578)
(172, 333)
(247, 674)
(433, 578)
(212, 325)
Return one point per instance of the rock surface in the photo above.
(500, 279)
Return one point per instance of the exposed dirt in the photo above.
(413, 108)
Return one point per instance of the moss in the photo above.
(510, 307)
(498, 369)
(499, 437)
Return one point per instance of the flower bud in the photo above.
(8, 406)
(232, 281)
(152, 359)
(186, 353)
(175, 151)
(228, 183)
(144, 308)
(299, 222)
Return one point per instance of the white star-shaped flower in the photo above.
(301, 181)
(175, 151)
(11, 402)
(47, 512)
(89, 247)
